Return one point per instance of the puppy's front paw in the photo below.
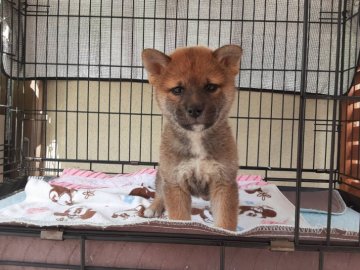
(151, 213)
(155, 209)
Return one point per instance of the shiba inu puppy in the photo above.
(194, 88)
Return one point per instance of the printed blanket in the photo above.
(85, 198)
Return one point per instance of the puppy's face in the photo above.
(194, 86)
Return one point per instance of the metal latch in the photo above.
(282, 245)
(51, 235)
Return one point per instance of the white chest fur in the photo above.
(202, 168)
(197, 145)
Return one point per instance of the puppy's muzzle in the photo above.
(195, 111)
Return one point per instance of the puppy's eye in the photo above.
(211, 87)
(177, 91)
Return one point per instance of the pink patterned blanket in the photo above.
(89, 198)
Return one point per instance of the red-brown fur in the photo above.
(198, 155)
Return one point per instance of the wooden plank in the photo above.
(350, 186)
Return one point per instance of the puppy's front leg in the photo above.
(224, 204)
(177, 202)
(157, 206)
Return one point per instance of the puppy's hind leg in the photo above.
(157, 206)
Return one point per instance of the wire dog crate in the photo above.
(74, 94)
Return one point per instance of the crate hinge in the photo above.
(51, 234)
(282, 245)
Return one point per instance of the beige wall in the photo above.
(104, 134)
(115, 133)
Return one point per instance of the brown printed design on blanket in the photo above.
(260, 193)
(204, 213)
(138, 211)
(134, 212)
(76, 213)
(88, 194)
(257, 211)
(143, 192)
(61, 195)
(122, 215)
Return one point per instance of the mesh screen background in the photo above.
(103, 39)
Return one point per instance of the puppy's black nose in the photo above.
(195, 111)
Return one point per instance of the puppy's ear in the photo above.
(155, 62)
(229, 56)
